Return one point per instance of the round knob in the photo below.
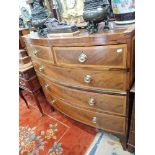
(82, 57)
(91, 101)
(46, 86)
(87, 79)
(53, 101)
(41, 68)
(94, 119)
(22, 83)
(35, 52)
(20, 75)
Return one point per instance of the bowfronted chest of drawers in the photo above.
(88, 77)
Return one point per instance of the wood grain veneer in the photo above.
(112, 80)
(114, 104)
(106, 122)
(112, 56)
(41, 53)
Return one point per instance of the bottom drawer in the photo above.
(110, 123)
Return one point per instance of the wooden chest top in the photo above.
(118, 35)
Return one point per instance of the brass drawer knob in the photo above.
(94, 119)
(41, 68)
(46, 86)
(82, 58)
(35, 52)
(87, 79)
(91, 101)
(22, 83)
(53, 101)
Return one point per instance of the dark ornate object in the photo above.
(21, 22)
(54, 26)
(39, 15)
(44, 24)
(96, 11)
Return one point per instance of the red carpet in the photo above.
(52, 134)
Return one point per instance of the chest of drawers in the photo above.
(88, 77)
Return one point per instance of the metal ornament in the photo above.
(39, 16)
(96, 11)
(42, 21)
(54, 26)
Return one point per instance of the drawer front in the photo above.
(113, 56)
(22, 53)
(112, 80)
(106, 122)
(32, 84)
(114, 104)
(24, 83)
(41, 52)
(25, 60)
(27, 74)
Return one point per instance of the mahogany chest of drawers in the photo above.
(88, 77)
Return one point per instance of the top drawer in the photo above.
(41, 52)
(112, 56)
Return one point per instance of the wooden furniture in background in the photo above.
(88, 77)
(27, 77)
(22, 31)
(30, 83)
(131, 139)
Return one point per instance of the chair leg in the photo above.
(22, 96)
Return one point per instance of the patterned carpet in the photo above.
(52, 134)
(106, 144)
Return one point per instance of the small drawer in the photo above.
(24, 83)
(110, 123)
(24, 60)
(31, 84)
(112, 56)
(22, 53)
(27, 73)
(41, 52)
(114, 104)
(103, 80)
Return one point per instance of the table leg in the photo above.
(123, 142)
(52, 109)
(35, 96)
(22, 96)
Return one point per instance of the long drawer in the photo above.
(115, 104)
(91, 79)
(103, 121)
(112, 56)
(41, 53)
